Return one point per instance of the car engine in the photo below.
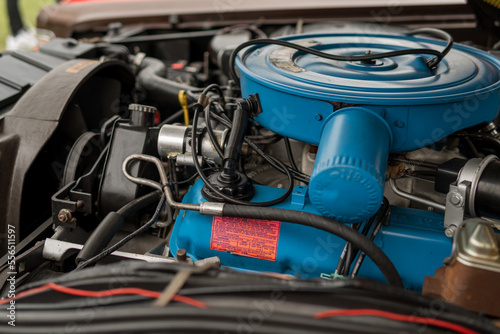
(348, 165)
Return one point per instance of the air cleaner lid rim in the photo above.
(422, 97)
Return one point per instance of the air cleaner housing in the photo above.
(359, 111)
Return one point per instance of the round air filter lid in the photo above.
(400, 80)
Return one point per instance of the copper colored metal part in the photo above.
(471, 278)
(471, 288)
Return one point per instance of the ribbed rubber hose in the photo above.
(157, 87)
(329, 225)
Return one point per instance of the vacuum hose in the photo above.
(108, 227)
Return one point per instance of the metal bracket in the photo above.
(455, 207)
(58, 250)
(460, 200)
(76, 196)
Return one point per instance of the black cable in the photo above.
(139, 203)
(181, 319)
(275, 163)
(215, 88)
(172, 173)
(289, 152)
(210, 132)
(431, 62)
(472, 148)
(415, 162)
(108, 227)
(329, 225)
(154, 276)
(382, 218)
(342, 259)
(480, 136)
(298, 175)
(378, 218)
(353, 251)
(178, 114)
(129, 237)
(217, 191)
(196, 175)
(194, 94)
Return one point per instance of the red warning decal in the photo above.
(243, 236)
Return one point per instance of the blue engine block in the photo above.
(414, 240)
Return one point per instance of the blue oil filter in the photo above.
(348, 178)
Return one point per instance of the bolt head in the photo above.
(64, 215)
(399, 124)
(450, 231)
(455, 199)
(318, 117)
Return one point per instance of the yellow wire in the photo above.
(184, 104)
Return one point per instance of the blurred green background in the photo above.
(29, 10)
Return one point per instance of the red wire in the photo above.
(196, 303)
(106, 293)
(397, 317)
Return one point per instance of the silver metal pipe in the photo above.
(207, 208)
(412, 197)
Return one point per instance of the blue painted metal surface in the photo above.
(421, 106)
(347, 182)
(414, 240)
(301, 95)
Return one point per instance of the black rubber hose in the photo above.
(126, 239)
(113, 50)
(16, 23)
(329, 225)
(108, 227)
(151, 77)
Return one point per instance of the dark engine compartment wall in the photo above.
(38, 131)
(19, 70)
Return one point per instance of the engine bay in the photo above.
(347, 165)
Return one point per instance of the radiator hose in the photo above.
(151, 78)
